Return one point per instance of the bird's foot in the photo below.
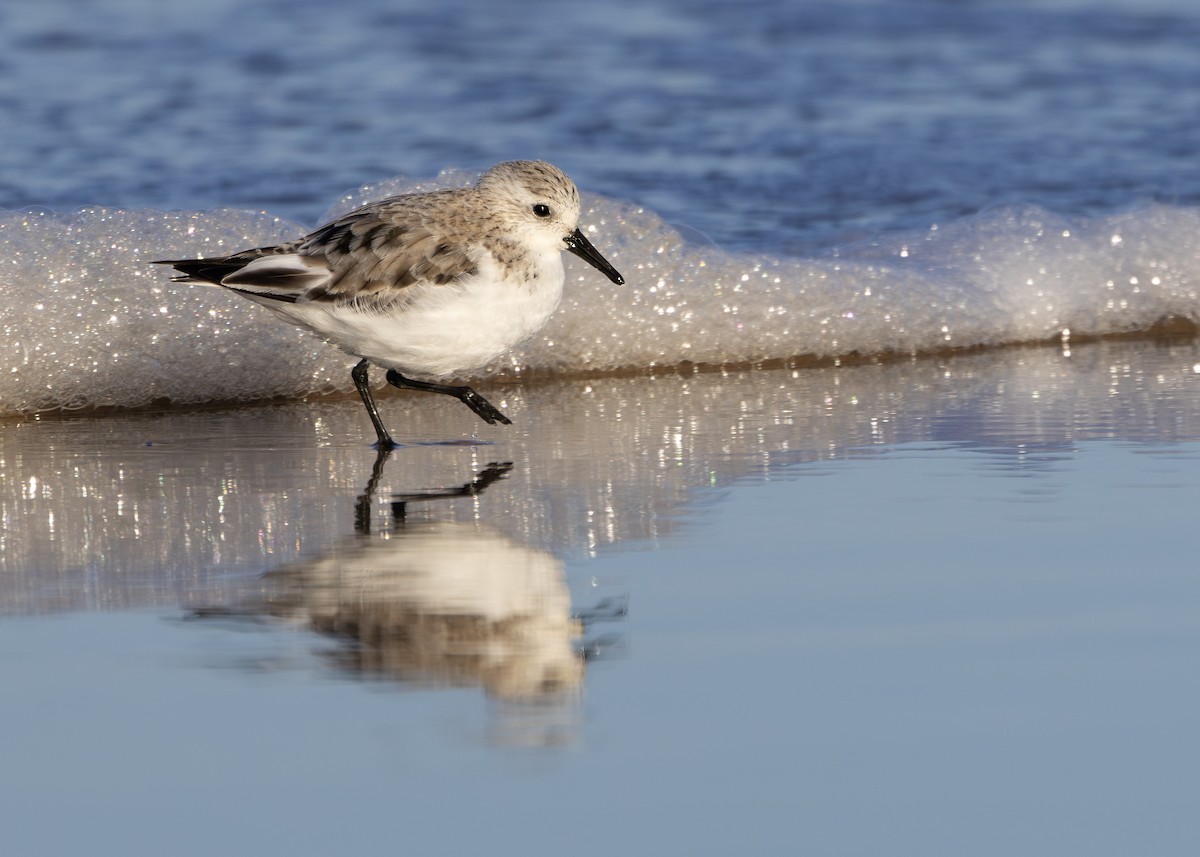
(484, 409)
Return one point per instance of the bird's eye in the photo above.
(541, 209)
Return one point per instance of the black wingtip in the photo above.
(207, 270)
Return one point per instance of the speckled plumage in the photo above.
(430, 283)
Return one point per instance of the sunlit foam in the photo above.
(87, 321)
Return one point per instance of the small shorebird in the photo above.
(426, 283)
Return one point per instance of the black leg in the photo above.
(363, 385)
(481, 406)
(362, 508)
(491, 474)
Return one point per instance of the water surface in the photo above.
(920, 607)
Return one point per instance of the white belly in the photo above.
(439, 330)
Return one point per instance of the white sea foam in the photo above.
(87, 321)
(1009, 275)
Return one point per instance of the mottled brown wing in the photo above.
(374, 251)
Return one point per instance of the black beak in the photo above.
(583, 248)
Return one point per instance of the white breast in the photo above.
(440, 330)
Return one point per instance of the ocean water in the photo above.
(918, 607)
(858, 521)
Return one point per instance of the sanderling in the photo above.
(426, 283)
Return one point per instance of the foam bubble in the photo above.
(87, 321)
(1010, 275)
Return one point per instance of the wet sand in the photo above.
(951, 597)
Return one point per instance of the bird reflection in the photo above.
(438, 603)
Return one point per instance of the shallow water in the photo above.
(927, 606)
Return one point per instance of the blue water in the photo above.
(777, 125)
(929, 612)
